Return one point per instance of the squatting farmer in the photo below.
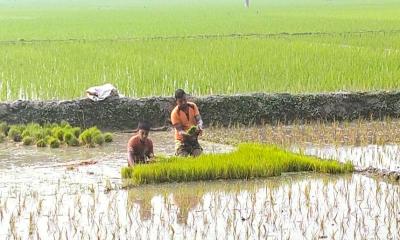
(184, 117)
(140, 147)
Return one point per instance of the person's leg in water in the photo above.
(181, 149)
(196, 149)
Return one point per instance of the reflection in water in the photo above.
(185, 203)
(305, 206)
(293, 206)
(143, 202)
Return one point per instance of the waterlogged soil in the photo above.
(386, 157)
(47, 194)
(20, 163)
(367, 144)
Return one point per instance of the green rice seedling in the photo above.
(41, 143)
(249, 161)
(47, 131)
(48, 138)
(70, 139)
(87, 137)
(73, 142)
(98, 139)
(31, 129)
(15, 133)
(39, 134)
(108, 137)
(76, 131)
(50, 125)
(192, 130)
(28, 140)
(54, 142)
(68, 136)
(65, 124)
(336, 133)
(127, 172)
(4, 128)
(26, 133)
(58, 133)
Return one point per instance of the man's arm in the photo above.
(179, 128)
(199, 122)
(150, 154)
(198, 119)
(131, 158)
(185, 136)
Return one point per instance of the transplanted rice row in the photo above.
(359, 132)
(53, 134)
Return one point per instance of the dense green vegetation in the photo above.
(249, 161)
(134, 45)
(53, 135)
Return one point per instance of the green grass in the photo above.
(113, 44)
(62, 19)
(249, 161)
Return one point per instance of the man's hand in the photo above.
(131, 158)
(189, 138)
(150, 158)
(199, 130)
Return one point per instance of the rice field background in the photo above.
(57, 49)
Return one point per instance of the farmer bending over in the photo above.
(184, 116)
(140, 147)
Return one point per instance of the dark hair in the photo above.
(144, 125)
(179, 93)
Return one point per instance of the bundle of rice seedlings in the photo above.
(15, 133)
(41, 143)
(73, 142)
(4, 128)
(98, 139)
(58, 133)
(54, 142)
(108, 137)
(28, 140)
(192, 130)
(76, 131)
(89, 137)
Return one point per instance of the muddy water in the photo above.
(21, 164)
(300, 206)
(50, 172)
(43, 197)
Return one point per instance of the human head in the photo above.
(144, 129)
(180, 98)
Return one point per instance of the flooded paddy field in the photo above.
(48, 194)
(365, 143)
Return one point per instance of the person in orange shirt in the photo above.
(140, 147)
(183, 117)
